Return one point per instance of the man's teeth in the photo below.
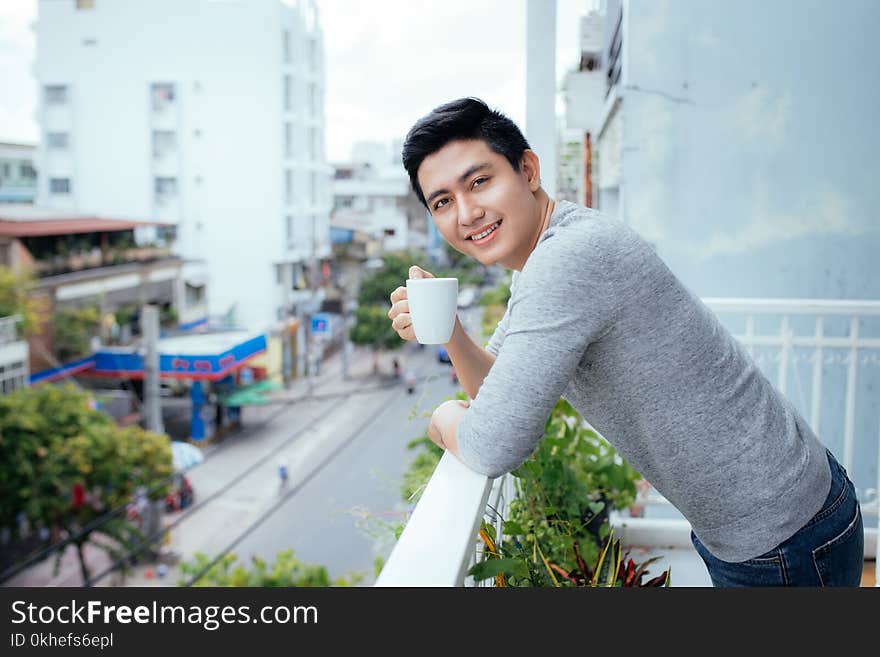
(480, 236)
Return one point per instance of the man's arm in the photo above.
(471, 361)
(565, 301)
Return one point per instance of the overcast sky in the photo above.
(386, 66)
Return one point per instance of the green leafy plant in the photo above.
(511, 565)
(73, 330)
(64, 464)
(286, 570)
(15, 300)
(558, 520)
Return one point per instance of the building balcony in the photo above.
(96, 258)
(443, 528)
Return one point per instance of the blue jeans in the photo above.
(827, 551)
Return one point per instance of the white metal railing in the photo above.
(853, 350)
(438, 543)
(442, 531)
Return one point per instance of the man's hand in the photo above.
(443, 430)
(399, 313)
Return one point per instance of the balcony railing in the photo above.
(63, 264)
(440, 541)
(442, 530)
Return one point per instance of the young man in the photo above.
(597, 317)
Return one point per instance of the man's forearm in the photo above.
(471, 361)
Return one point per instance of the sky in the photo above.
(434, 51)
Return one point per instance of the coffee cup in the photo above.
(432, 306)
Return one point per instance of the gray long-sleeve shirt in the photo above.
(596, 317)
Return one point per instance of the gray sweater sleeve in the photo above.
(551, 319)
(498, 335)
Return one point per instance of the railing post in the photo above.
(816, 396)
(782, 376)
(849, 426)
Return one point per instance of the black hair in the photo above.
(462, 119)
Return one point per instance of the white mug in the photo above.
(432, 306)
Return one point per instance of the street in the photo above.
(329, 520)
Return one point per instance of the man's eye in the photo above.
(439, 204)
(480, 181)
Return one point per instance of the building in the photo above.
(372, 194)
(745, 158)
(18, 178)
(87, 262)
(205, 116)
(584, 96)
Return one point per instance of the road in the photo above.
(343, 516)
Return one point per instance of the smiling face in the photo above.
(481, 205)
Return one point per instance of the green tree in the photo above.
(73, 330)
(55, 448)
(287, 570)
(376, 288)
(372, 327)
(14, 300)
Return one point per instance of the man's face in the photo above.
(470, 189)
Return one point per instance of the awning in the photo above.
(206, 356)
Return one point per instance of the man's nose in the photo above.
(469, 212)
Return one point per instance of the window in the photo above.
(288, 93)
(12, 377)
(57, 140)
(7, 170)
(195, 294)
(288, 140)
(314, 100)
(56, 94)
(59, 185)
(166, 186)
(162, 95)
(285, 45)
(313, 54)
(164, 142)
(289, 226)
(27, 171)
(288, 186)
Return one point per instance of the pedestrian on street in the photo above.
(595, 313)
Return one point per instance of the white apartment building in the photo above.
(372, 195)
(206, 114)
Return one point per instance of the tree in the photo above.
(64, 464)
(376, 288)
(73, 330)
(14, 300)
(287, 570)
(372, 327)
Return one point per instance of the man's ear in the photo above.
(531, 168)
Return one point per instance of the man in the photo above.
(597, 317)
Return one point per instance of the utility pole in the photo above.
(311, 347)
(345, 343)
(152, 408)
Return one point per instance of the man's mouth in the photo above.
(476, 237)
